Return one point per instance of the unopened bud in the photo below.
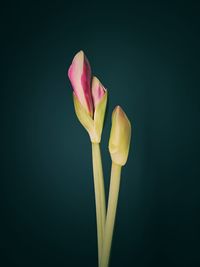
(120, 137)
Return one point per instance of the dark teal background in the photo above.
(147, 55)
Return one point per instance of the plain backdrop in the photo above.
(146, 53)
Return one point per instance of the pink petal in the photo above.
(79, 74)
(98, 91)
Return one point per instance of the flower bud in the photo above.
(89, 101)
(120, 137)
(99, 95)
(98, 91)
(80, 77)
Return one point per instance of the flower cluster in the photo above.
(90, 96)
(90, 100)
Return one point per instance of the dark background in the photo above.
(147, 55)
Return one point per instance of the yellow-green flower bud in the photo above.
(120, 137)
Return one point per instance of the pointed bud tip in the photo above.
(79, 56)
(77, 59)
(95, 80)
(118, 112)
(118, 107)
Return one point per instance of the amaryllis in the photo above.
(90, 97)
(90, 100)
(80, 76)
(119, 144)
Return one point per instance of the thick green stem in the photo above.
(111, 213)
(99, 195)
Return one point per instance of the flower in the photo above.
(98, 91)
(79, 74)
(90, 98)
(120, 137)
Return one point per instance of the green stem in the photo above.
(111, 213)
(99, 195)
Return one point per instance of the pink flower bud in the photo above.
(79, 74)
(98, 91)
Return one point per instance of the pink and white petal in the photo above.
(98, 91)
(79, 74)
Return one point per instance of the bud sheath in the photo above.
(120, 137)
